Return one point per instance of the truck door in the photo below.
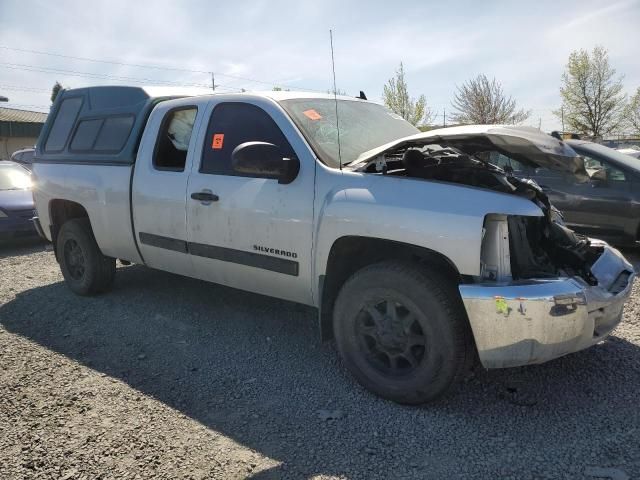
(251, 232)
(160, 184)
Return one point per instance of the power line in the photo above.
(58, 71)
(126, 64)
(24, 105)
(102, 76)
(110, 62)
(24, 89)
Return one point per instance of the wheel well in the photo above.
(60, 211)
(350, 254)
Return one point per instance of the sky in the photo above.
(256, 44)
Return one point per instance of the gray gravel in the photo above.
(170, 377)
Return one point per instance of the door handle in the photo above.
(205, 196)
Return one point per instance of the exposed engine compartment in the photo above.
(538, 247)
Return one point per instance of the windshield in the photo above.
(363, 126)
(14, 178)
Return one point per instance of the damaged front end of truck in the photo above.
(543, 291)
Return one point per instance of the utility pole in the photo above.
(444, 116)
(539, 122)
(213, 83)
(562, 116)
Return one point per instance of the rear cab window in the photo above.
(172, 144)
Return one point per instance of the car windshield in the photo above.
(363, 126)
(14, 178)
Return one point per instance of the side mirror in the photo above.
(263, 159)
(599, 177)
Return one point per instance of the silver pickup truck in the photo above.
(421, 256)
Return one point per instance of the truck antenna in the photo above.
(335, 97)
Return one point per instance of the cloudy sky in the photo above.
(255, 44)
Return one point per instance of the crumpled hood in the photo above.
(525, 144)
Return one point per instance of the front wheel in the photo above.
(85, 269)
(402, 332)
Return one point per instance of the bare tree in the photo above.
(395, 95)
(481, 100)
(592, 98)
(632, 112)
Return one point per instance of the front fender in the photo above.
(443, 217)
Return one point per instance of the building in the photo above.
(18, 129)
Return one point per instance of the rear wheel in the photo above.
(85, 269)
(402, 332)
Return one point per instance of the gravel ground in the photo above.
(169, 377)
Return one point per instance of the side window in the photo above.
(63, 124)
(232, 124)
(102, 135)
(86, 134)
(173, 139)
(505, 162)
(113, 134)
(592, 165)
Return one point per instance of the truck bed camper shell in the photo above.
(100, 125)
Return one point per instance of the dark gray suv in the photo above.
(605, 206)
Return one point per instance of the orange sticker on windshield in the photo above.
(218, 140)
(312, 114)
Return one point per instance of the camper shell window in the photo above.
(98, 125)
(86, 135)
(102, 135)
(62, 125)
(113, 134)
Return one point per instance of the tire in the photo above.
(84, 268)
(414, 355)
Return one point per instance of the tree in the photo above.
(55, 91)
(592, 98)
(632, 112)
(396, 97)
(483, 101)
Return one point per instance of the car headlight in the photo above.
(2, 214)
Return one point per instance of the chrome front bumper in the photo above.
(534, 321)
